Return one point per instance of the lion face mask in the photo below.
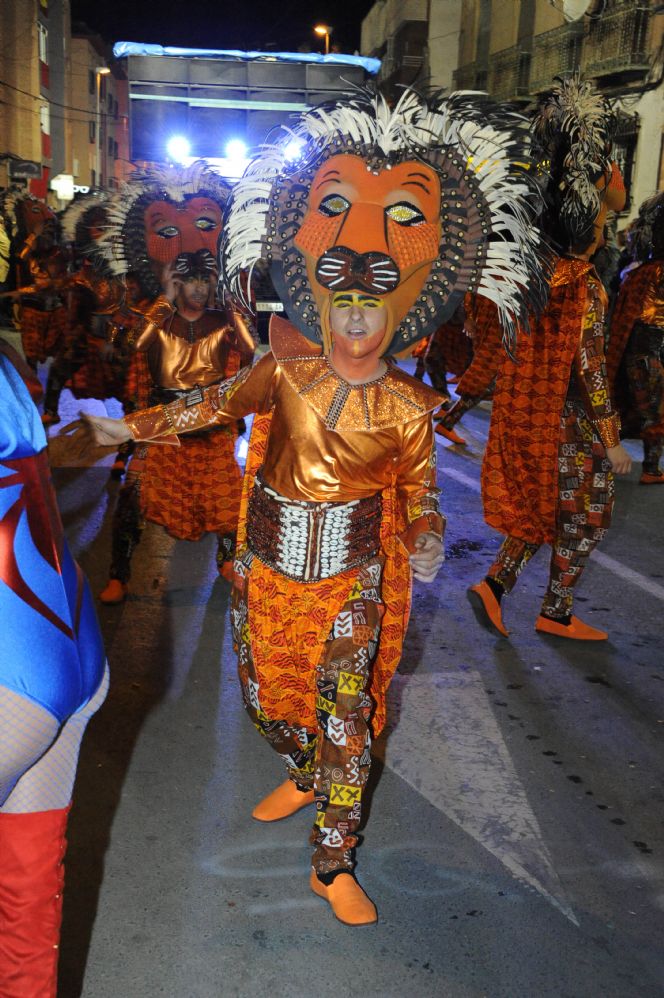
(413, 205)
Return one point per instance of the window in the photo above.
(93, 130)
(91, 82)
(109, 103)
(110, 146)
(45, 119)
(115, 150)
(43, 43)
(102, 86)
(115, 108)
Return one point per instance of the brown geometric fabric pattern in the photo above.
(195, 488)
(42, 332)
(520, 468)
(488, 351)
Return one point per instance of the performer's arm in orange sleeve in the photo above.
(252, 390)
(416, 482)
(143, 332)
(590, 366)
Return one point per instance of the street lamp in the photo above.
(326, 30)
(99, 72)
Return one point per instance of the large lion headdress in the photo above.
(415, 204)
(162, 213)
(573, 128)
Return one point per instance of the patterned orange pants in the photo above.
(331, 751)
(583, 515)
(190, 490)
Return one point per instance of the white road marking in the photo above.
(448, 746)
(610, 564)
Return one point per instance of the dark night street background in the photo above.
(514, 844)
(261, 24)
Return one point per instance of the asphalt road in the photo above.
(515, 839)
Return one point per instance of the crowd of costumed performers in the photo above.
(452, 221)
(372, 237)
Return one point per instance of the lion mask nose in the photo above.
(342, 269)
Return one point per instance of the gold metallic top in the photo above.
(382, 434)
(183, 354)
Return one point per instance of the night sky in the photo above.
(238, 24)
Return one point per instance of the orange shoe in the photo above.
(483, 599)
(647, 478)
(282, 802)
(114, 592)
(50, 419)
(225, 570)
(576, 629)
(450, 435)
(346, 899)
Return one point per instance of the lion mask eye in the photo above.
(168, 232)
(404, 214)
(205, 224)
(333, 204)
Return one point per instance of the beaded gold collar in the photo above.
(392, 399)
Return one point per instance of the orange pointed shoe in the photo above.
(282, 802)
(450, 435)
(576, 629)
(647, 478)
(483, 600)
(346, 898)
(115, 592)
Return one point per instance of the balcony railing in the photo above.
(508, 73)
(555, 53)
(618, 41)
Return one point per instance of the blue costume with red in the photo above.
(51, 647)
(52, 679)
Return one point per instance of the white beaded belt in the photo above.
(310, 541)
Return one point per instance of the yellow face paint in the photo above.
(347, 299)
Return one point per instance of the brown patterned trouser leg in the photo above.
(343, 709)
(512, 558)
(585, 505)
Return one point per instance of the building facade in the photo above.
(417, 42)
(100, 118)
(63, 111)
(35, 138)
(514, 48)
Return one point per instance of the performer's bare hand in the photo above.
(621, 462)
(171, 281)
(100, 431)
(428, 557)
